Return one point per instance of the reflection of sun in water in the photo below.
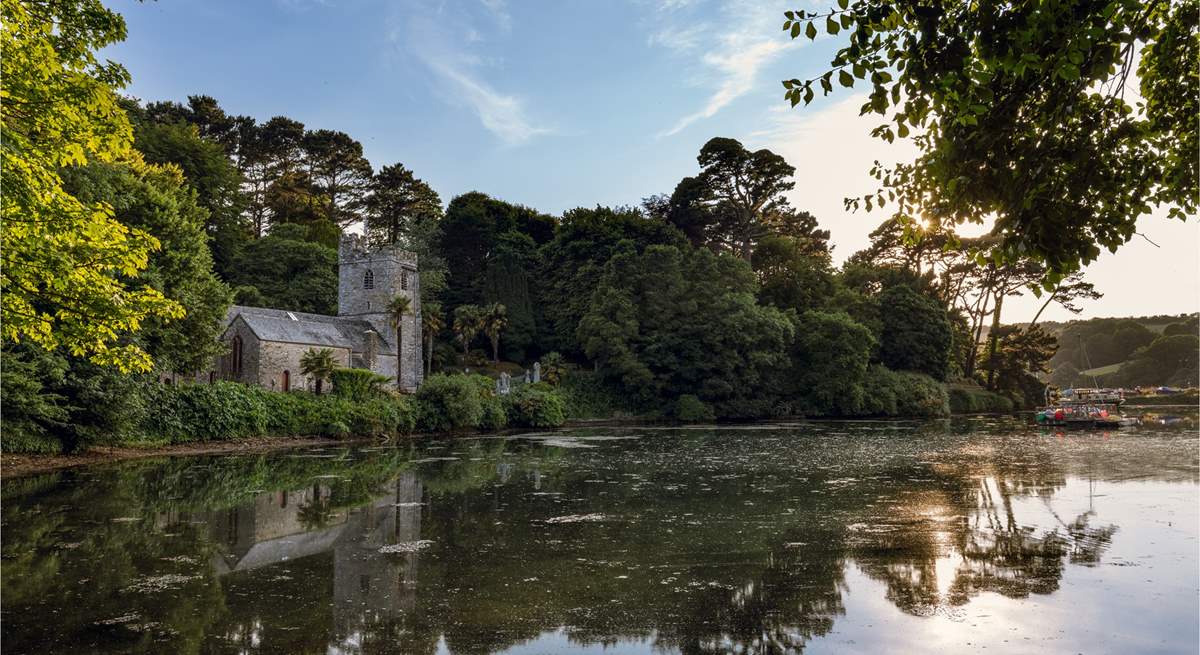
(944, 569)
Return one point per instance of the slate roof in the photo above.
(312, 329)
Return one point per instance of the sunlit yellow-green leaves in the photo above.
(64, 261)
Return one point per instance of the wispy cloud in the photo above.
(747, 39)
(502, 115)
(738, 69)
(679, 39)
(433, 35)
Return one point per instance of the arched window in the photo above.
(287, 381)
(236, 355)
(404, 280)
(369, 279)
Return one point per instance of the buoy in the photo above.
(1058, 415)
(1104, 413)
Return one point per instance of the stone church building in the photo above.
(264, 346)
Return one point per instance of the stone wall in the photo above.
(250, 354)
(276, 357)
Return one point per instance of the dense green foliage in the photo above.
(673, 321)
(289, 271)
(902, 393)
(535, 406)
(450, 403)
(975, 400)
(144, 413)
(831, 355)
(915, 333)
(1020, 113)
(156, 200)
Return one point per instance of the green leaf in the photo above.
(810, 31)
(795, 30)
(831, 26)
(845, 78)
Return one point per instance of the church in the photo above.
(264, 346)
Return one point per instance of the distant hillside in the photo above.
(1127, 352)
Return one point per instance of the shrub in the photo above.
(968, 400)
(903, 393)
(447, 403)
(690, 408)
(535, 406)
(358, 383)
(206, 412)
(494, 417)
(288, 413)
(331, 416)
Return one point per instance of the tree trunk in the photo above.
(976, 331)
(993, 338)
(319, 386)
(399, 351)
(429, 355)
(496, 349)
(1043, 308)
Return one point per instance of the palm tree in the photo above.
(319, 364)
(494, 321)
(468, 320)
(397, 310)
(432, 322)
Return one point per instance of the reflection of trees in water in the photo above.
(937, 519)
(970, 538)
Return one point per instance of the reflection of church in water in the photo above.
(282, 526)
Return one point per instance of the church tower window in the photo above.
(404, 280)
(369, 279)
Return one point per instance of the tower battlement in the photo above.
(355, 248)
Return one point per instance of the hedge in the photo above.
(228, 410)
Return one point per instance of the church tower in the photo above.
(368, 279)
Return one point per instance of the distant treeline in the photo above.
(1127, 352)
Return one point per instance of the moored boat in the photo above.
(1083, 408)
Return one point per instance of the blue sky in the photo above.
(558, 104)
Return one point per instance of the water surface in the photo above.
(848, 537)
